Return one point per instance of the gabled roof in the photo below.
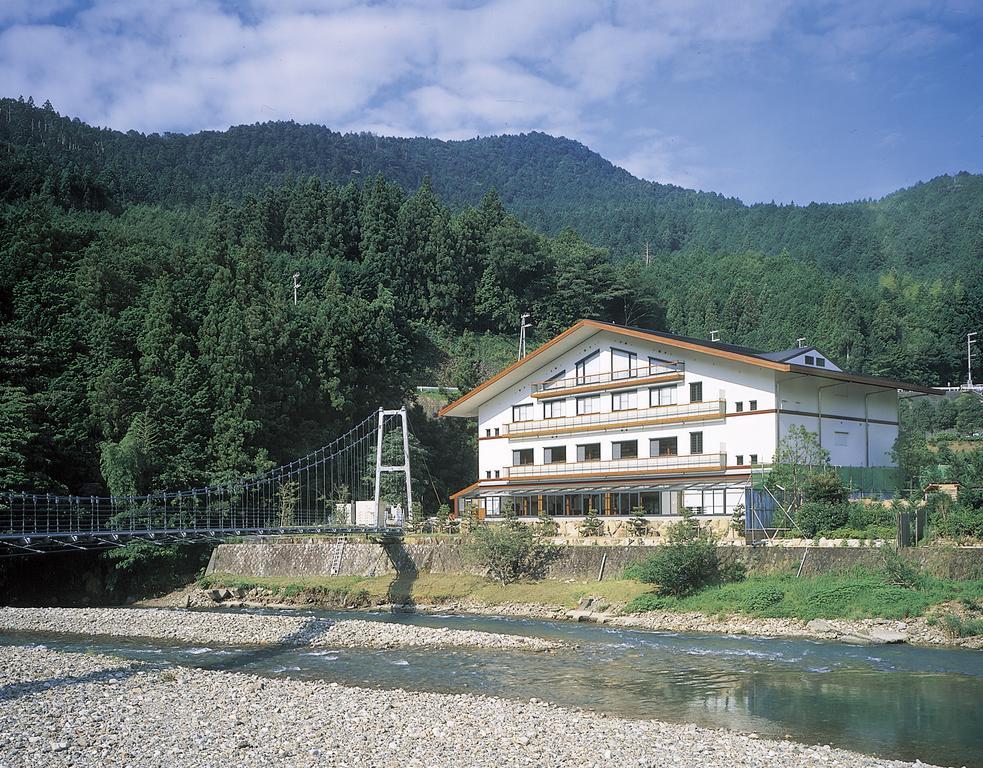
(467, 404)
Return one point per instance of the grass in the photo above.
(832, 596)
(840, 596)
(433, 588)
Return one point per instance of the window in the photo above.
(624, 365)
(821, 362)
(754, 458)
(522, 457)
(752, 405)
(555, 455)
(496, 431)
(739, 459)
(487, 433)
(554, 381)
(496, 473)
(553, 409)
(589, 452)
(662, 396)
(522, 412)
(663, 446)
(587, 366)
(841, 438)
(488, 473)
(696, 392)
(810, 360)
(625, 449)
(696, 442)
(656, 364)
(590, 404)
(739, 406)
(624, 401)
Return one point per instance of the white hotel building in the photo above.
(616, 418)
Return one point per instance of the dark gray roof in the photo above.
(775, 357)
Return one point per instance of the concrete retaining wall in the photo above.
(315, 557)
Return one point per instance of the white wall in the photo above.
(744, 434)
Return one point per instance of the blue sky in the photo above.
(762, 100)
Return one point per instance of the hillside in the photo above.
(149, 338)
(932, 229)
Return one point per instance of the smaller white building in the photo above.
(620, 419)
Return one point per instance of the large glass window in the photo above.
(624, 364)
(522, 457)
(588, 367)
(589, 452)
(556, 454)
(522, 412)
(589, 404)
(553, 505)
(624, 401)
(624, 449)
(663, 446)
(696, 442)
(662, 396)
(553, 409)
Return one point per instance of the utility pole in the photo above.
(714, 335)
(800, 342)
(296, 285)
(648, 254)
(970, 341)
(523, 324)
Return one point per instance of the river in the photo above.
(892, 701)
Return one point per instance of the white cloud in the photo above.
(666, 159)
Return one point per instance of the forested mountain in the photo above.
(148, 336)
(932, 229)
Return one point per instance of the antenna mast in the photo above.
(523, 324)
(970, 341)
(296, 285)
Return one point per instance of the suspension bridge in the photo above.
(342, 487)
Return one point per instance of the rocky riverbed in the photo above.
(64, 709)
(251, 629)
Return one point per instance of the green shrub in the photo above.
(637, 524)
(509, 552)
(863, 516)
(960, 626)
(591, 525)
(960, 522)
(649, 602)
(818, 518)
(825, 488)
(833, 601)
(898, 571)
(680, 568)
(763, 598)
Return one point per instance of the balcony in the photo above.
(702, 462)
(641, 417)
(595, 382)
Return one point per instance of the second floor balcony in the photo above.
(634, 418)
(697, 462)
(623, 379)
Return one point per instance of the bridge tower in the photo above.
(381, 467)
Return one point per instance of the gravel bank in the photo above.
(61, 709)
(250, 629)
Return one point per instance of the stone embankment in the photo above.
(251, 629)
(60, 709)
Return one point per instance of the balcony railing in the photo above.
(700, 462)
(608, 379)
(641, 417)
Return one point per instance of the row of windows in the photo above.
(620, 401)
(701, 502)
(620, 449)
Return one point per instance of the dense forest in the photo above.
(149, 338)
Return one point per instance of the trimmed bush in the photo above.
(825, 488)
(816, 518)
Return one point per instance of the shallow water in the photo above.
(893, 701)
